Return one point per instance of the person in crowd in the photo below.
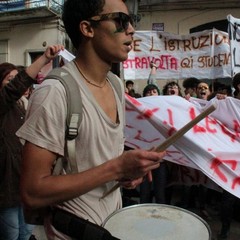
(236, 85)
(228, 200)
(157, 186)
(172, 88)
(220, 90)
(129, 85)
(195, 196)
(203, 90)
(146, 195)
(226, 213)
(102, 33)
(190, 87)
(13, 85)
(130, 89)
(151, 90)
(132, 93)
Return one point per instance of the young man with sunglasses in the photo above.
(102, 33)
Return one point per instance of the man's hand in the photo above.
(135, 164)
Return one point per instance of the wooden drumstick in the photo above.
(163, 146)
(173, 138)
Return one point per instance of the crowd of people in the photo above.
(32, 134)
(197, 195)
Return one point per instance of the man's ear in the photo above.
(86, 29)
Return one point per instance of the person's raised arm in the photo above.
(152, 74)
(50, 53)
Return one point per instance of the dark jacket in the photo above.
(11, 118)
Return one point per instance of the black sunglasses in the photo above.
(121, 18)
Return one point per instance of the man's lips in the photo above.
(129, 45)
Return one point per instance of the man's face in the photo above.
(203, 91)
(113, 36)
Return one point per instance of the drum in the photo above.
(156, 222)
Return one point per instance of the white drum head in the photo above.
(156, 222)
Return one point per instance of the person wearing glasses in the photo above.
(172, 88)
(102, 33)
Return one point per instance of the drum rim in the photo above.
(162, 205)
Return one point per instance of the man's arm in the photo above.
(40, 188)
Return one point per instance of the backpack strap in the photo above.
(73, 119)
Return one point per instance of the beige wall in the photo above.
(24, 38)
(180, 22)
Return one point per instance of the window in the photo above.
(3, 51)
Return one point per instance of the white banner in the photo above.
(234, 36)
(212, 145)
(203, 54)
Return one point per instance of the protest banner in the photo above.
(211, 146)
(203, 54)
(234, 36)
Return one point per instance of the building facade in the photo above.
(27, 27)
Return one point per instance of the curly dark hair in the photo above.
(75, 11)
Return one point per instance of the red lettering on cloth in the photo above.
(133, 101)
(148, 113)
(141, 138)
(236, 127)
(209, 122)
(227, 132)
(216, 163)
(215, 166)
(170, 122)
(196, 128)
(235, 182)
